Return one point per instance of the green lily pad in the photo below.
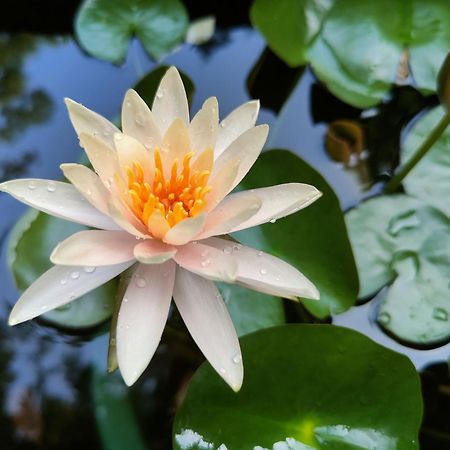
(314, 240)
(356, 48)
(401, 242)
(250, 310)
(429, 180)
(105, 27)
(31, 241)
(305, 387)
(146, 87)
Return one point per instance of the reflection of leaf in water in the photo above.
(19, 106)
(18, 167)
(28, 418)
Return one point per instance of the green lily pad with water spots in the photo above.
(305, 387)
(404, 244)
(31, 242)
(430, 178)
(314, 240)
(104, 27)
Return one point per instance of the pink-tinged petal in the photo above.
(237, 122)
(58, 199)
(204, 126)
(95, 248)
(102, 158)
(222, 184)
(176, 144)
(207, 262)
(61, 285)
(185, 231)
(246, 148)
(138, 120)
(125, 219)
(276, 202)
(170, 101)
(89, 122)
(152, 251)
(142, 317)
(207, 319)
(88, 184)
(131, 151)
(229, 214)
(266, 273)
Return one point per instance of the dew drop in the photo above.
(227, 250)
(205, 263)
(140, 282)
(160, 94)
(204, 253)
(139, 119)
(273, 220)
(223, 124)
(222, 371)
(89, 192)
(237, 247)
(31, 186)
(89, 269)
(263, 271)
(384, 318)
(260, 253)
(237, 358)
(72, 296)
(125, 299)
(63, 281)
(75, 275)
(118, 137)
(51, 187)
(440, 314)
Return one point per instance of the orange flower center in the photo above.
(175, 197)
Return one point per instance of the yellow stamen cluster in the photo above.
(177, 197)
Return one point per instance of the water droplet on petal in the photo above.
(204, 253)
(160, 94)
(75, 275)
(72, 296)
(273, 220)
(384, 318)
(260, 253)
(51, 187)
(227, 250)
(237, 247)
(63, 281)
(205, 263)
(89, 192)
(125, 299)
(31, 186)
(140, 282)
(89, 269)
(440, 314)
(119, 137)
(222, 371)
(139, 119)
(263, 271)
(237, 358)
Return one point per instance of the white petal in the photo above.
(152, 251)
(125, 219)
(207, 262)
(129, 151)
(142, 317)
(240, 120)
(204, 126)
(246, 148)
(138, 120)
(58, 199)
(176, 143)
(207, 319)
(88, 184)
(276, 202)
(86, 121)
(61, 285)
(229, 214)
(95, 248)
(170, 101)
(266, 273)
(185, 231)
(102, 157)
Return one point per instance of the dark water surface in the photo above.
(49, 380)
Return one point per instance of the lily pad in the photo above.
(305, 387)
(314, 240)
(105, 27)
(31, 242)
(429, 180)
(356, 48)
(250, 310)
(402, 242)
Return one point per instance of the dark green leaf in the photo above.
(32, 240)
(305, 387)
(400, 240)
(314, 240)
(105, 27)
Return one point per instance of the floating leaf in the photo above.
(105, 27)
(401, 242)
(305, 387)
(251, 310)
(32, 240)
(314, 240)
(429, 180)
(444, 83)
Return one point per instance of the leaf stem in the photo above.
(435, 134)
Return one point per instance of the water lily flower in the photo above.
(159, 195)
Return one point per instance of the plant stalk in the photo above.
(435, 134)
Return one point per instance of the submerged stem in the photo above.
(435, 134)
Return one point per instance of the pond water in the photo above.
(53, 389)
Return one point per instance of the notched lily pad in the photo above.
(31, 242)
(105, 27)
(297, 380)
(401, 242)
